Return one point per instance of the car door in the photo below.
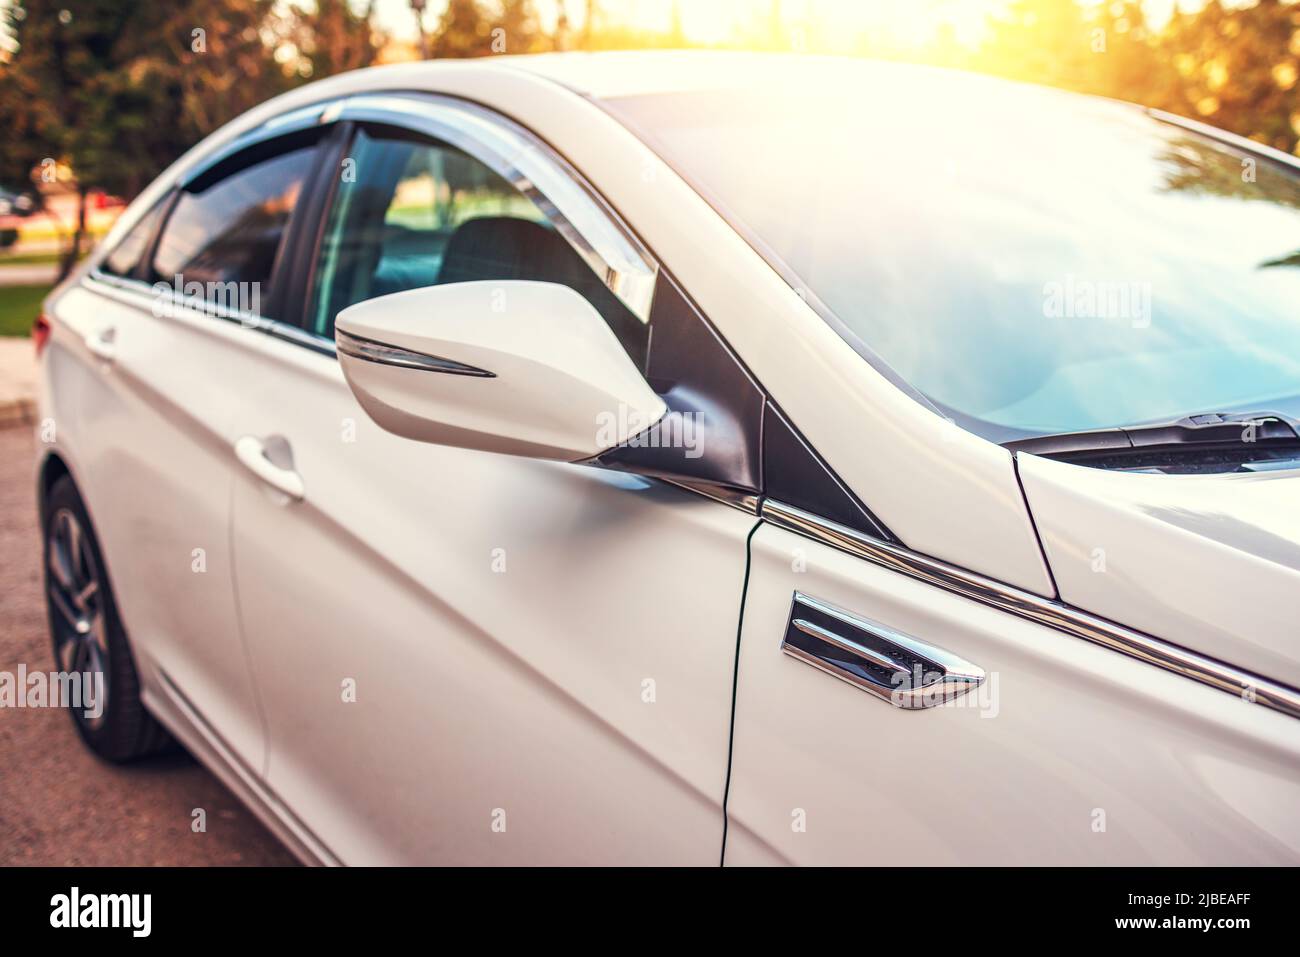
(165, 316)
(1056, 750)
(467, 657)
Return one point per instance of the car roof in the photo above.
(614, 74)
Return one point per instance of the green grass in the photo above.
(28, 259)
(34, 259)
(19, 306)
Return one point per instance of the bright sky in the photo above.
(895, 22)
(904, 22)
(707, 21)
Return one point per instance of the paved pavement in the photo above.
(31, 274)
(17, 381)
(60, 805)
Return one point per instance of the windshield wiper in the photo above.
(1212, 438)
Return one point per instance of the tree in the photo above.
(335, 36)
(111, 93)
(519, 29)
(91, 89)
(1236, 67)
(71, 100)
(417, 8)
(462, 31)
(1040, 41)
(591, 12)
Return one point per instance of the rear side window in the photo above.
(224, 235)
(126, 256)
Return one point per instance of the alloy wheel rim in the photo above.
(76, 597)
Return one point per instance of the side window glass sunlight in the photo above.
(412, 212)
(128, 253)
(221, 241)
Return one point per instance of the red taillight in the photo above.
(40, 333)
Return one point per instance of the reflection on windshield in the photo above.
(1032, 261)
(1196, 166)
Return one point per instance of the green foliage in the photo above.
(519, 29)
(114, 91)
(119, 90)
(19, 306)
(1235, 67)
(333, 38)
(472, 28)
(462, 31)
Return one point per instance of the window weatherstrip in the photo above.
(1043, 611)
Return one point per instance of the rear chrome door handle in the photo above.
(902, 670)
(252, 453)
(103, 344)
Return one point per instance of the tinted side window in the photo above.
(230, 230)
(128, 253)
(415, 212)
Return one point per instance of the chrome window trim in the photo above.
(746, 502)
(130, 291)
(578, 212)
(570, 204)
(1044, 611)
(291, 122)
(294, 121)
(1225, 138)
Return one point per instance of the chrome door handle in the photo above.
(252, 453)
(908, 673)
(103, 344)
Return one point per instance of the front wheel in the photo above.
(89, 640)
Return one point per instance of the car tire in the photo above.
(88, 636)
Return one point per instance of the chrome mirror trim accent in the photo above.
(1044, 611)
(389, 355)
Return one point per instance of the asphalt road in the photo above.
(59, 804)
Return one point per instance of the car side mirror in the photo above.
(523, 368)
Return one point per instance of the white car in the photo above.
(683, 458)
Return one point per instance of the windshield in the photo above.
(1032, 262)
